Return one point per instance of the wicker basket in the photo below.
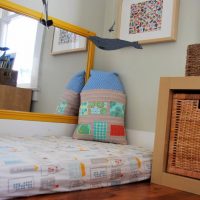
(184, 145)
(193, 60)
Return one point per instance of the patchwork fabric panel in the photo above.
(84, 129)
(48, 164)
(102, 111)
(117, 109)
(69, 103)
(100, 130)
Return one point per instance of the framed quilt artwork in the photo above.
(66, 42)
(149, 21)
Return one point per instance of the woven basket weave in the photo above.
(184, 146)
(193, 60)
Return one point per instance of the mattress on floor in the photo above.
(39, 165)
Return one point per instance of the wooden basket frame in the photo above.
(159, 172)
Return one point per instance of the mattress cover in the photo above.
(39, 165)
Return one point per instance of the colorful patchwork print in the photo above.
(117, 109)
(98, 108)
(83, 109)
(52, 164)
(84, 129)
(146, 16)
(101, 116)
(94, 108)
(61, 107)
(103, 103)
(117, 130)
(100, 130)
(69, 102)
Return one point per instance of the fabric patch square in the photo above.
(117, 130)
(74, 170)
(84, 129)
(61, 107)
(83, 109)
(98, 108)
(117, 109)
(100, 130)
(146, 16)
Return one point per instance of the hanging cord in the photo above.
(46, 22)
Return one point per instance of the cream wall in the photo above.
(140, 70)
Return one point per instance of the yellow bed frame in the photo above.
(15, 115)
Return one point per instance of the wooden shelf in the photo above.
(159, 173)
(13, 98)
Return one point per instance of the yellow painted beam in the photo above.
(42, 117)
(90, 63)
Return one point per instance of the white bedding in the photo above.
(39, 165)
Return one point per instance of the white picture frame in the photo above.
(67, 42)
(149, 21)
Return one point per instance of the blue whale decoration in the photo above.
(4, 48)
(112, 44)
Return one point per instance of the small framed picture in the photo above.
(149, 21)
(66, 42)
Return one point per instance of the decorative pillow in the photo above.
(102, 109)
(70, 101)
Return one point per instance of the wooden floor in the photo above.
(136, 191)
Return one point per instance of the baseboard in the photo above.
(141, 138)
(32, 128)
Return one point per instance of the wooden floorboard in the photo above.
(135, 191)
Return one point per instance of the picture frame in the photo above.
(148, 21)
(66, 42)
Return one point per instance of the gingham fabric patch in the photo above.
(100, 130)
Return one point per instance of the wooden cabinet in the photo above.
(160, 174)
(13, 98)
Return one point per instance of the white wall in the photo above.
(140, 70)
(55, 71)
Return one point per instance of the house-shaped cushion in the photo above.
(102, 109)
(70, 101)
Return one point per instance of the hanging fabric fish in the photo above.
(4, 48)
(113, 44)
(46, 22)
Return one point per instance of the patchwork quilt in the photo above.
(39, 165)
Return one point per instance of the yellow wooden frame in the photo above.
(159, 173)
(5, 114)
